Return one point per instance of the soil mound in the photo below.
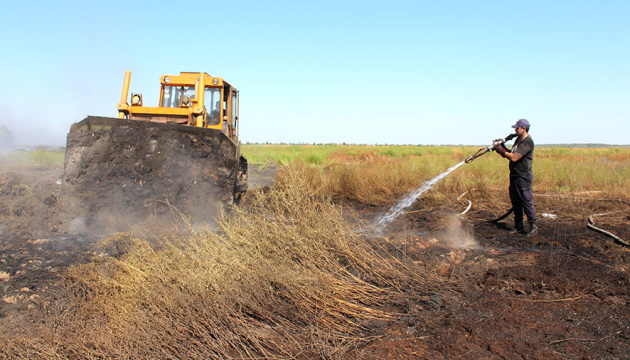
(120, 172)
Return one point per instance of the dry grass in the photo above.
(284, 277)
(377, 178)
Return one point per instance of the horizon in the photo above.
(26, 147)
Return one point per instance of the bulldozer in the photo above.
(182, 156)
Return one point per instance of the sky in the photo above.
(358, 72)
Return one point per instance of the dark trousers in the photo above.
(522, 198)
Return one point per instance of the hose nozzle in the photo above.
(478, 154)
(492, 147)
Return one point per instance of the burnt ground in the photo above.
(35, 241)
(564, 294)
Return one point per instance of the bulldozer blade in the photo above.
(128, 171)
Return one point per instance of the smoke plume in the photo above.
(456, 235)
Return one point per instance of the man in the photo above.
(521, 177)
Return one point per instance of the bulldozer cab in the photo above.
(195, 99)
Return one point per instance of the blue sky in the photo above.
(397, 72)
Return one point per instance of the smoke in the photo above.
(46, 126)
(455, 235)
(121, 216)
(6, 138)
(78, 226)
(6, 145)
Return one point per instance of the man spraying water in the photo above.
(521, 175)
(521, 157)
(521, 178)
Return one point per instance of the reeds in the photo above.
(380, 175)
(284, 277)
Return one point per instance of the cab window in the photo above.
(212, 100)
(177, 96)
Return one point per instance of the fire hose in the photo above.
(492, 147)
(591, 225)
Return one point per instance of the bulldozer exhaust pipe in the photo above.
(123, 107)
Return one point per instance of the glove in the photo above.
(501, 150)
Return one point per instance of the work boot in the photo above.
(518, 229)
(533, 230)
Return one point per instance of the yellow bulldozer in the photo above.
(183, 155)
(195, 99)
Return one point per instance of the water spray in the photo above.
(408, 200)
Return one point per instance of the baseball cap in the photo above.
(521, 123)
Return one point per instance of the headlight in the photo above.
(215, 81)
(136, 99)
(167, 79)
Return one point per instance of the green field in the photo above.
(32, 158)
